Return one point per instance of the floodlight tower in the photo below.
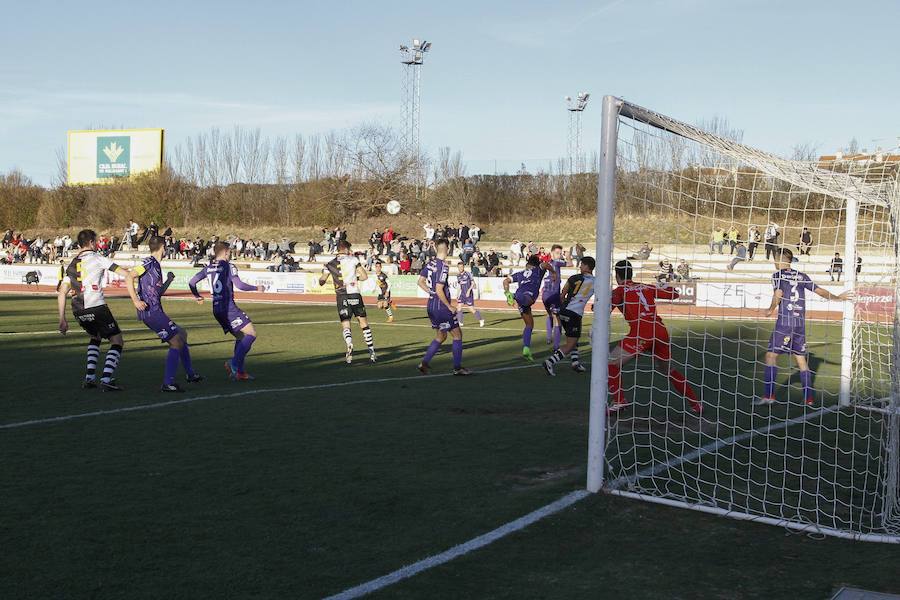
(412, 57)
(575, 106)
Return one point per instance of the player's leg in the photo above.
(528, 319)
(809, 394)
(779, 340)
(389, 309)
(557, 328)
(173, 357)
(245, 338)
(186, 362)
(624, 352)
(457, 343)
(460, 309)
(93, 355)
(110, 330)
(477, 314)
(367, 334)
(439, 337)
(663, 360)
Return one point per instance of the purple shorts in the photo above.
(788, 340)
(552, 303)
(159, 323)
(233, 320)
(524, 300)
(466, 300)
(442, 318)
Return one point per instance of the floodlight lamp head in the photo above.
(426, 46)
(415, 43)
(403, 48)
(567, 98)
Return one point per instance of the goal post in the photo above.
(825, 457)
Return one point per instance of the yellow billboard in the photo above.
(103, 155)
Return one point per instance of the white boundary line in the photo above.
(566, 501)
(459, 550)
(298, 388)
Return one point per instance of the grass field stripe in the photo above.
(554, 507)
(298, 388)
(459, 550)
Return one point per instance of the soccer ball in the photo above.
(393, 207)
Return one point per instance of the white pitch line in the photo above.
(456, 551)
(566, 501)
(298, 388)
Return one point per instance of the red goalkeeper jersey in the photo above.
(637, 302)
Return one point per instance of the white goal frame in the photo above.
(613, 108)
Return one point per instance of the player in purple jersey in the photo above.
(526, 294)
(789, 336)
(466, 298)
(550, 296)
(146, 287)
(223, 278)
(433, 280)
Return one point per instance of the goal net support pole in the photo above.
(606, 198)
(849, 308)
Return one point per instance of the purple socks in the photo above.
(242, 348)
(171, 365)
(432, 350)
(806, 381)
(459, 316)
(186, 360)
(771, 374)
(457, 354)
(526, 337)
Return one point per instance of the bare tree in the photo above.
(298, 157)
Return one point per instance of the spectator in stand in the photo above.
(271, 249)
(58, 247)
(683, 271)
(805, 244)
(404, 264)
(515, 253)
(858, 264)
(314, 249)
(530, 250)
(772, 234)
(717, 240)
(475, 233)
(429, 232)
(666, 273)
(577, 254)
(133, 229)
(462, 232)
(753, 239)
(733, 237)
(837, 267)
(741, 256)
(492, 263)
(468, 250)
(643, 253)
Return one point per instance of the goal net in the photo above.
(696, 209)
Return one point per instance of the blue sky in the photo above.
(785, 72)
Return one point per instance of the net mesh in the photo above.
(719, 209)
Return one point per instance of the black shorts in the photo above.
(98, 322)
(571, 323)
(350, 305)
(384, 297)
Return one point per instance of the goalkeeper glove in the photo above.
(509, 298)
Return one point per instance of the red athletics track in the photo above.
(664, 310)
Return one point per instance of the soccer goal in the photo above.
(697, 209)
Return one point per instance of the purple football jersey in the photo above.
(552, 286)
(223, 278)
(436, 274)
(466, 287)
(149, 284)
(529, 282)
(794, 285)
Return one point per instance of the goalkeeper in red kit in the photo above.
(647, 334)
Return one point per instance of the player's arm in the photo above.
(567, 291)
(776, 300)
(130, 281)
(666, 291)
(323, 278)
(848, 295)
(361, 273)
(549, 268)
(243, 285)
(62, 298)
(423, 285)
(165, 286)
(192, 284)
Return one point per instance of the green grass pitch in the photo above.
(306, 492)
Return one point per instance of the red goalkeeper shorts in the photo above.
(650, 340)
